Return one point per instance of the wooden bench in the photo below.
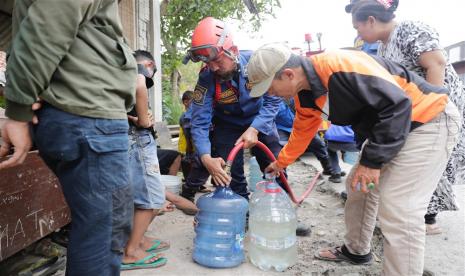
(31, 200)
(32, 205)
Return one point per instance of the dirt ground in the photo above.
(322, 210)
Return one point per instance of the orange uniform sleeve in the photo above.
(305, 127)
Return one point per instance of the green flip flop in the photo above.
(158, 247)
(141, 264)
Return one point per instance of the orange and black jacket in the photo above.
(380, 99)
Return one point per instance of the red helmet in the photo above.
(211, 37)
(211, 31)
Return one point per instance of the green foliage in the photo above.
(2, 102)
(178, 20)
(172, 108)
(190, 74)
(177, 16)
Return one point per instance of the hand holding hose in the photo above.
(274, 169)
(249, 137)
(215, 168)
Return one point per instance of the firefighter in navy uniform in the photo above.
(221, 98)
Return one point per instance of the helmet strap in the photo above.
(222, 38)
(234, 57)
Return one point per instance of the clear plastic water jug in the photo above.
(255, 175)
(220, 229)
(272, 228)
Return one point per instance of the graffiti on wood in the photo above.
(32, 205)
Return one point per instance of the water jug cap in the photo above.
(272, 188)
(269, 176)
(222, 191)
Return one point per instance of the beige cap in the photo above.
(264, 64)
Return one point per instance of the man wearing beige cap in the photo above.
(409, 128)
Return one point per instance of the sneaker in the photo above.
(302, 230)
(335, 178)
(327, 172)
(427, 272)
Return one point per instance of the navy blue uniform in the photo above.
(284, 122)
(194, 172)
(231, 110)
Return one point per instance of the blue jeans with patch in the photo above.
(90, 158)
(149, 192)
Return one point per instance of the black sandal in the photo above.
(342, 254)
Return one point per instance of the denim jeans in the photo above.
(90, 158)
(197, 174)
(149, 192)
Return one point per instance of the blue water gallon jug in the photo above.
(220, 229)
(255, 175)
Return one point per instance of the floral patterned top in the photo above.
(407, 42)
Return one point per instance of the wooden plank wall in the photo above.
(127, 13)
(31, 203)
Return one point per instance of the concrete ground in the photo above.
(444, 252)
